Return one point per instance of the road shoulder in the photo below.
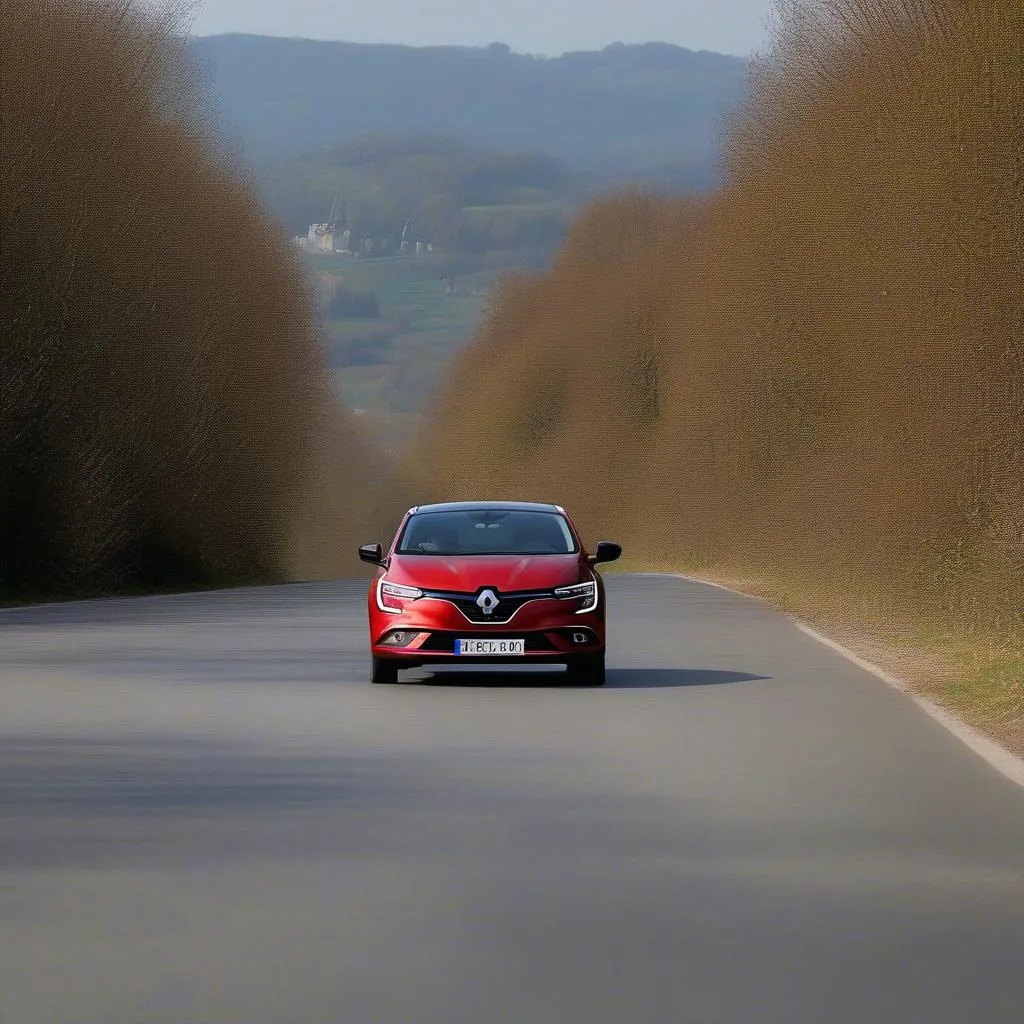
(914, 669)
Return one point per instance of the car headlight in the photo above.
(585, 593)
(395, 591)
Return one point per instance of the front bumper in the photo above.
(551, 631)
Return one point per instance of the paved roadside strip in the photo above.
(205, 793)
(999, 757)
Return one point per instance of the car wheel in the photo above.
(384, 671)
(587, 669)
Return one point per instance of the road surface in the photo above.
(209, 816)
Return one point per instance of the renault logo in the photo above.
(487, 602)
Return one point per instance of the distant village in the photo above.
(332, 236)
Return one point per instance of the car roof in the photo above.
(465, 506)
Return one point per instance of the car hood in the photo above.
(469, 572)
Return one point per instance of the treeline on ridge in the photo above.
(622, 108)
(442, 188)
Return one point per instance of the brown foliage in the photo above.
(160, 373)
(815, 373)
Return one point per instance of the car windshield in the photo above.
(486, 532)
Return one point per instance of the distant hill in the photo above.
(619, 111)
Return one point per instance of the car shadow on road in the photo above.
(656, 678)
(616, 679)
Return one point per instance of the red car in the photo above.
(486, 582)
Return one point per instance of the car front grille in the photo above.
(508, 604)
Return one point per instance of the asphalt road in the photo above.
(209, 816)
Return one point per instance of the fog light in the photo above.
(400, 638)
(581, 638)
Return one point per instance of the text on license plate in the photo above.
(490, 646)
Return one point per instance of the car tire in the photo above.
(383, 671)
(587, 669)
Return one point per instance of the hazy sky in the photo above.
(528, 26)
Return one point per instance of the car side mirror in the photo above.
(606, 552)
(372, 553)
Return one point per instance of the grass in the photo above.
(427, 305)
(988, 684)
(483, 214)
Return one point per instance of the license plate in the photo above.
(490, 646)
